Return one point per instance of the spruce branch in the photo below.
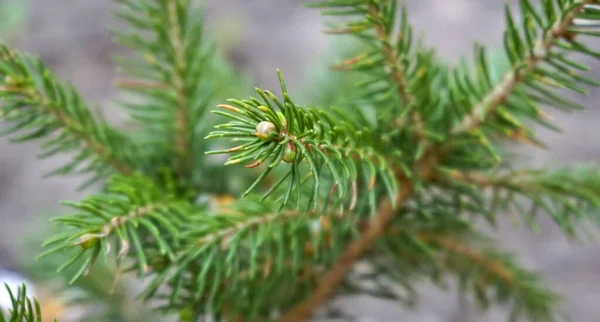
(169, 72)
(489, 269)
(133, 211)
(413, 247)
(387, 58)
(346, 146)
(567, 195)
(182, 127)
(377, 226)
(401, 76)
(36, 102)
(527, 55)
(24, 309)
(252, 249)
(356, 249)
(384, 32)
(489, 274)
(391, 192)
(97, 297)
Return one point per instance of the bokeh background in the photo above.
(260, 36)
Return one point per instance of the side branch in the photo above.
(37, 98)
(95, 145)
(518, 178)
(457, 247)
(397, 74)
(182, 126)
(225, 235)
(508, 84)
(117, 222)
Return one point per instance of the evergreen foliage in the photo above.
(23, 307)
(382, 171)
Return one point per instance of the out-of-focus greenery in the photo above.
(97, 298)
(13, 15)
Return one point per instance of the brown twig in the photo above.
(329, 281)
(333, 277)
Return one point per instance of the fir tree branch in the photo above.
(505, 88)
(568, 195)
(182, 127)
(401, 77)
(416, 246)
(397, 73)
(457, 247)
(118, 222)
(353, 252)
(252, 222)
(37, 98)
(436, 250)
(356, 249)
(488, 269)
(169, 72)
(33, 97)
(24, 309)
(133, 211)
(336, 147)
(393, 60)
(389, 64)
(251, 249)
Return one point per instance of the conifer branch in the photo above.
(37, 98)
(450, 246)
(482, 268)
(182, 127)
(384, 31)
(336, 147)
(397, 73)
(117, 222)
(400, 75)
(24, 308)
(505, 88)
(489, 269)
(225, 254)
(405, 170)
(32, 95)
(391, 66)
(224, 235)
(565, 194)
(458, 247)
(133, 211)
(169, 72)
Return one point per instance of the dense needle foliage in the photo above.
(391, 168)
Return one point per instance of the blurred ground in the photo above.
(70, 36)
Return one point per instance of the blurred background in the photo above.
(259, 36)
